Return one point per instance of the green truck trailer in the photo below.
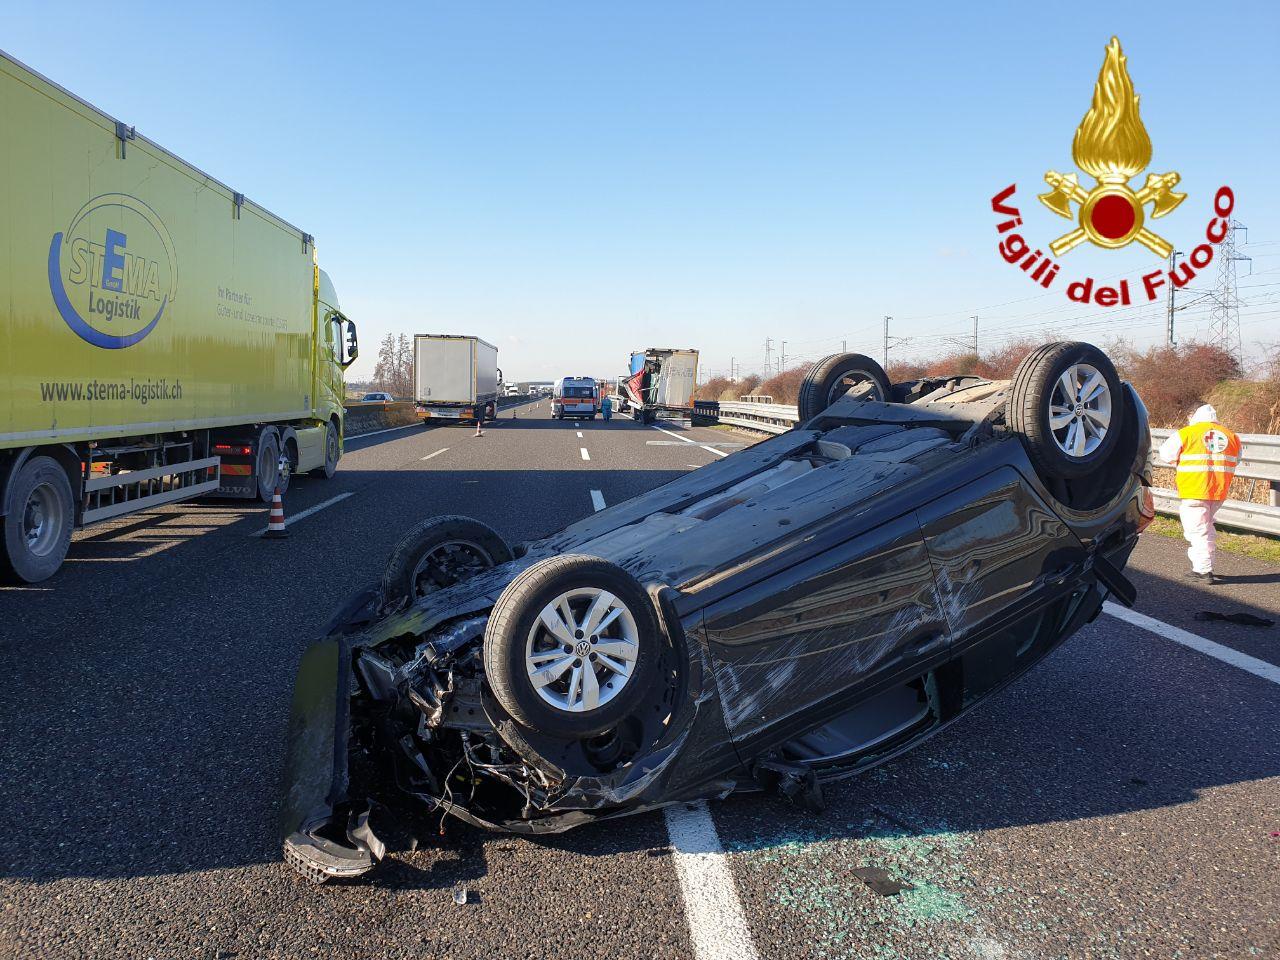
(163, 337)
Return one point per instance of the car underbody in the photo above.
(823, 600)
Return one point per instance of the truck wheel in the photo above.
(38, 519)
(831, 378)
(572, 647)
(1066, 404)
(438, 553)
(268, 466)
(330, 453)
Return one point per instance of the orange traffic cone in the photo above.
(275, 525)
(479, 432)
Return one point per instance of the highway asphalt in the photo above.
(1121, 800)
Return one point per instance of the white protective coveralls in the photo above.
(1196, 515)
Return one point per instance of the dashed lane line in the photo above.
(303, 514)
(1259, 668)
(597, 500)
(716, 924)
(718, 453)
(579, 434)
(436, 454)
(585, 455)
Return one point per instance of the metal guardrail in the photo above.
(1259, 461)
(766, 417)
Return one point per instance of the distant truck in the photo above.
(164, 336)
(575, 397)
(455, 377)
(659, 382)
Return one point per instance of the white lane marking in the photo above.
(303, 514)
(716, 925)
(579, 434)
(585, 455)
(436, 454)
(361, 436)
(1259, 668)
(597, 500)
(674, 443)
(718, 453)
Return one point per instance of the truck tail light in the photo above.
(233, 449)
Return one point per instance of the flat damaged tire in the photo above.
(438, 553)
(1067, 406)
(832, 377)
(573, 647)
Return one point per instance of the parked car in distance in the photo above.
(377, 396)
(797, 612)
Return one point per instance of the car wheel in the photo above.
(572, 647)
(38, 520)
(831, 378)
(438, 553)
(1066, 404)
(331, 453)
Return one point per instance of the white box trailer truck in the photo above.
(455, 377)
(659, 382)
(164, 337)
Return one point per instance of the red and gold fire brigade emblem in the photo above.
(1112, 146)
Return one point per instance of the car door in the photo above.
(795, 649)
(998, 552)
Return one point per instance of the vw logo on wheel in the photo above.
(582, 648)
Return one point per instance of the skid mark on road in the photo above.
(716, 924)
(1259, 668)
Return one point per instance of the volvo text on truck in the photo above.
(165, 336)
(455, 377)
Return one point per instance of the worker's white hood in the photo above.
(1205, 414)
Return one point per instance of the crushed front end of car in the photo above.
(394, 707)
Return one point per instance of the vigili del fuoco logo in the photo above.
(1112, 147)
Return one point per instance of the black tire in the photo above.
(267, 466)
(40, 494)
(331, 453)
(1062, 447)
(471, 547)
(826, 382)
(517, 612)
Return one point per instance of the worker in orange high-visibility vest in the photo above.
(1206, 455)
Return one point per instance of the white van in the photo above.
(577, 397)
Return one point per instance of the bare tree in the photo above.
(384, 374)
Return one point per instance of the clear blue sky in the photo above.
(572, 180)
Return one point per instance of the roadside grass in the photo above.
(1266, 549)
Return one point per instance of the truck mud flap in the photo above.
(324, 834)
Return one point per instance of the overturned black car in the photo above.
(797, 612)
